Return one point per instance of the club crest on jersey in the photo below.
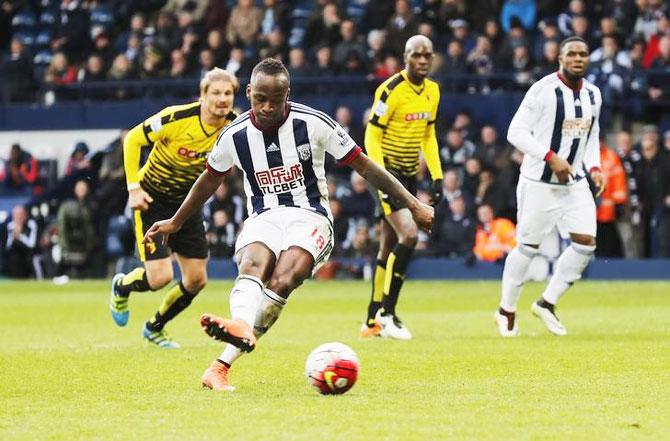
(304, 152)
(417, 116)
(576, 128)
(280, 179)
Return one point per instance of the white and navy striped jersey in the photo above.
(552, 116)
(284, 167)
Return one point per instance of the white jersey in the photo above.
(283, 167)
(552, 116)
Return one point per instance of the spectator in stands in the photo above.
(179, 68)
(60, 73)
(402, 25)
(20, 245)
(110, 192)
(221, 235)
(275, 18)
(456, 149)
(549, 61)
(21, 170)
(359, 202)
(581, 27)
(464, 124)
(343, 118)
(454, 64)
(629, 225)
(216, 16)
(359, 245)
(244, 24)
(102, 47)
(461, 32)
(226, 199)
(273, 46)
(611, 204)
(522, 67)
(134, 49)
(218, 45)
(495, 237)
(655, 191)
(452, 189)
(377, 50)
(324, 64)
(523, 10)
(72, 30)
(121, 70)
(238, 64)
(79, 162)
(608, 26)
(493, 32)
(659, 85)
(340, 223)
(195, 9)
(350, 43)
(76, 231)
(377, 14)
(550, 32)
(166, 36)
(652, 50)
(517, 36)
(297, 63)
(93, 72)
(453, 230)
(576, 8)
(480, 59)
(17, 69)
(190, 45)
(611, 73)
(323, 29)
(152, 63)
(207, 62)
(649, 11)
(138, 25)
(471, 171)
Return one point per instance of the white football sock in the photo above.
(269, 308)
(568, 269)
(244, 298)
(514, 274)
(230, 354)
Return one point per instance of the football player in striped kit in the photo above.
(556, 127)
(280, 147)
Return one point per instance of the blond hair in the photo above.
(218, 74)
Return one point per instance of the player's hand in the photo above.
(423, 215)
(599, 181)
(561, 168)
(436, 192)
(138, 199)
(161, 229)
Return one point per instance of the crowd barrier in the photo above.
(456, 269)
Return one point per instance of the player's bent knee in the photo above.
(283, 284)
(158, 280)
(583, 239)
(195, 284)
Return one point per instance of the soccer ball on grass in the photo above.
(332, 368)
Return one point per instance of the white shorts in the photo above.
(543, 206)
(284, 227)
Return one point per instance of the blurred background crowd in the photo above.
(59, 51)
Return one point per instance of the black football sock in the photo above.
(377, 292)
(396, 270)
(136, 280)
(176, 300)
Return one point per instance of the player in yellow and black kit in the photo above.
(402, 123)
(180, 138)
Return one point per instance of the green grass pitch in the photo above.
(67, 372)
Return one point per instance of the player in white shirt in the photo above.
(280, 147)
(556, 127)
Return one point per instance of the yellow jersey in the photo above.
(180, 142)
(402, 123)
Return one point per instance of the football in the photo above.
(332, 368)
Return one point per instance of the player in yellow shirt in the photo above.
(402, 123)
(180, 138)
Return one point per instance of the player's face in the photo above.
(574, 59)
(419, 60)
(218, 100)
(268, 95)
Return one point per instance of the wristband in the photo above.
(594, 169)
(133, 186)
(549, 155)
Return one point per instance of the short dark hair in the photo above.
(271, 66)
(570, 40)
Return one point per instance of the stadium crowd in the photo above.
(48, 45)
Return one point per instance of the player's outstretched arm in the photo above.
(379, 178)
(204, 187)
